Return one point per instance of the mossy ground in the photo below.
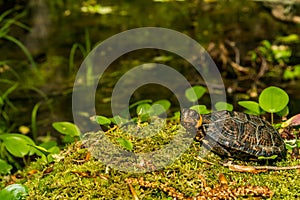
(76, 176)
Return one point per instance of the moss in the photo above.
(75, 176)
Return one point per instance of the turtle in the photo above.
(234, 134)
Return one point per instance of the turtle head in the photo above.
(190, 119)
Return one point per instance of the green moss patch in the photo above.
(75, 175)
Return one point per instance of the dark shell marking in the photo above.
(235, 134)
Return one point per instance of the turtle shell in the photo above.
(235, 134)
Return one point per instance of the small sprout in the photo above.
(273, 100)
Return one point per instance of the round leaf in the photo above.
(223, 106)
(66, 128)
(194, 93)
(273, 99)
(164, 103)
(160, 107)
(157, 109)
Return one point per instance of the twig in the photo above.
(236, 51)
(129, 181)
(256, 169)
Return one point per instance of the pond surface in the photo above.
(57, 27)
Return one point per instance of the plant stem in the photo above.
(272, 118)
(33, 121)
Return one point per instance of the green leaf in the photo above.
(27, 140)
(176, 115)
(201, 109)
(14, 192)
(66, 128)
(102, 120)
(118, 120)
(140, 102)
(273, 99)
(223, 106)
(68, 139)
(292, 38)
(194, 93)
(41, 149)
(266, 44)
(157, 109)
(48, 144)
(253, 55)
(54, 150)
(164, 103)
(288, 74)
(162, 58)
(17, 147)
(251, 106)
(16, 144)
(5, 167)
(143, 110)
(125, 143)
(160, 107)
(297, 71)
(283, 112)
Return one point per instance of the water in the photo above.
(57, 27)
